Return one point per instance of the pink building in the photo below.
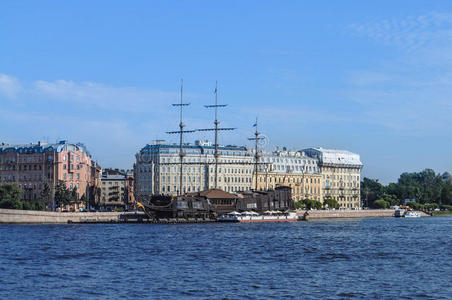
(33, 164)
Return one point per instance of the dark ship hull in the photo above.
(211, 204)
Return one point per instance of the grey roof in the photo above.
(335, 157)
(113, 177)
(41, 147)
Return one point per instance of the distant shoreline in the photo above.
(11, 216)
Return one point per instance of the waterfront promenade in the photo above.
(363, 213)
(11, 216)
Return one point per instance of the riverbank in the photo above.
(364, 213)
(442, 213)
(13, 216)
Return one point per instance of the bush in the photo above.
(331, 203)
(310, 204)
(430, 206)
(380, 203)
(10, 204)
(33, 205)
(413, 205)
(299, 204)
(446, 207)
(10, 195)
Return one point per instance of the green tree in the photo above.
(425, 186)
(331, 203)
(45, 194)
(446, 193)
(415, 205)
(311, 204)
(63, 195)
(84, 200)
(380, 203)
(371, 190)
(390, 199)
(10, 196)
(74, 195)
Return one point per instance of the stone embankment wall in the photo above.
(370, 213)
(11, 216)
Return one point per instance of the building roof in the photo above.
(113, 177)
(191, 146)
(41, 147)
(335, 157)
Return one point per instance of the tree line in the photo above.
(11, 197)
(425, 189)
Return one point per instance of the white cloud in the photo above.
(410, 33)
(9, 86)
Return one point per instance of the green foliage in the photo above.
(446, 207)
(33, 205)
(299, 205)
(446, 193)
(425, 187)
(10, 196)
(390, 199)
(415, 205)
(311, 204)
(65, 196)
(74, 195)
(45, 194)
(380, 203)
(371, 190)
(331, 203)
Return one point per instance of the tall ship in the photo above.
(216, 204)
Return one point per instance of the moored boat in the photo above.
(411, 214)
(253, 217)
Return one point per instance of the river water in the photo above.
(381, 258)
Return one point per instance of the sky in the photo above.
(371, 77)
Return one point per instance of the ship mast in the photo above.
(216, 129)
(256, 140)
(181, 132)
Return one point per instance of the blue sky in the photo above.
(372, 77)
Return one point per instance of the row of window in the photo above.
(342, 184)
(71, 176)
(289, 160)
(288, 180)
(342, 170)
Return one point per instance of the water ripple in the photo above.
(335, 259)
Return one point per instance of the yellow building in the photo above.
(341, 175)
(303, 186)
(293, 169)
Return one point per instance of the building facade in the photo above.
(340, 175)
(117, 189)
(291, 169)
(157, 168)
(31, 165)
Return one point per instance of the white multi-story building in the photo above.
(341, 175)
(157, 168)
(293, 169)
